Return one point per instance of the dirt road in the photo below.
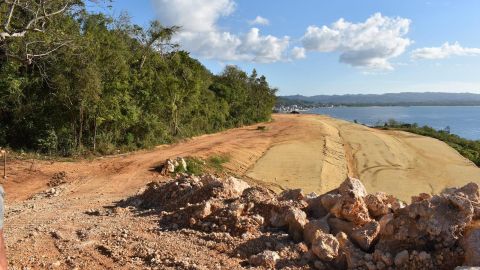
(66, 229)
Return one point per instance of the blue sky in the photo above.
(303, 47)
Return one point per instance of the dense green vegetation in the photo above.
(72, 82)
(467, 148)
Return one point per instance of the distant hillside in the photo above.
(396, 99)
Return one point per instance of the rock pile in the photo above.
(343, 229)
(172, 165)
(58, 179)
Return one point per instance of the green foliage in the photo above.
(197, 166)
(217, 162)
(468, 148)
(117, 87)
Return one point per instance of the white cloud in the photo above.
(298, 53)
(370, 44)
(226, 46)
(193, 15)
(264, 49)
(202, 35)
(259, 20)
(444, 51)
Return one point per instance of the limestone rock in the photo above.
(182, 163)
(316, 208)
(380, 204)
(266, 259)
(312, 227)
(291, 195)
(328, 201)
(325, 246)
(234, 187)
(354, 256)
(296, 220)
(203, 210)
(440, 220)
(352, 187)
(365, 235)
(471, 245)
(384, 221)
(351, 205)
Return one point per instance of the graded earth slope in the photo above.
(326, 150)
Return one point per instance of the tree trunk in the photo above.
(95, 135)
(80, 131)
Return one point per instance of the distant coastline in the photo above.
(285, 103)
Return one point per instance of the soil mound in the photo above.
(343, 229)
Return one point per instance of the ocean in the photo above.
(462, 120)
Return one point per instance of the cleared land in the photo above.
(314, 153)
(325, 150)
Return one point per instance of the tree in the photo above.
(157, 38)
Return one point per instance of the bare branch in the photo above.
(9, 19)
(36, 19)
(30, 57)
(32, 24)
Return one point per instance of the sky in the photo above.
(315, 47)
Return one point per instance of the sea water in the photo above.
(462, 120)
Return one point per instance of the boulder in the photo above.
(168, 167)
(315, 207)
(339, 225)
(365, 235)
(182, 163)
(325, 246)
(384, 221)
(429, 220)
(352, 187)
(291, 195)
(312, 227)
(267, 259)
(328, 201)
(296, 220)
(351, 206)
(380, 204)
(236, 209)
(234, 187)
(471, 245)
(292, 217)
(354, 256)
(203, 210)
(277, 217)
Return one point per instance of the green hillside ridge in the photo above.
(390, 99)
